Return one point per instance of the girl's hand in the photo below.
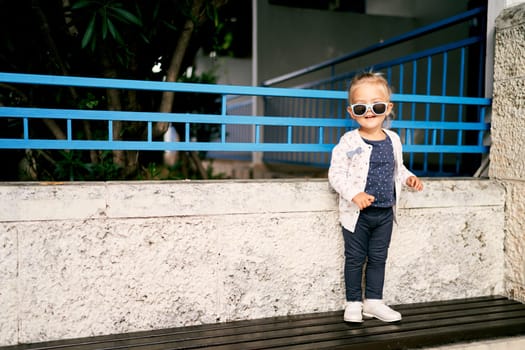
(415, 183)
(363, 200)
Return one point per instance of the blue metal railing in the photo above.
(324, 131)
(440, 70)
(411, 35)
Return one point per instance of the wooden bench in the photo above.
(423, 325)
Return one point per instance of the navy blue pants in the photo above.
(369, 243)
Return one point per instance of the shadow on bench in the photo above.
(423, 325)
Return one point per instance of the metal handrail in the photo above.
(379, 46)
(323, 125)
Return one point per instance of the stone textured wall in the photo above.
(99, 258)
(507, 155)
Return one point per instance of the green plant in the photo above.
(72, 167)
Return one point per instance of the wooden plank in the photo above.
(423, 324)
(296, 321)
(423, 338)
(374, 327)
(366, 335)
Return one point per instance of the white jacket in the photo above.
(349, 170)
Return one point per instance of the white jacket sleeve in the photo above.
(346, 174)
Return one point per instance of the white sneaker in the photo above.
(377, 308)
(353, 311)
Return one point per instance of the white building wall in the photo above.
(509, 3)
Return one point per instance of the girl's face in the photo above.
(368, 93)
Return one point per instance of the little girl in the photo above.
(367, 171)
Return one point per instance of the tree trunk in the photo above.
(55, 56)
(127, 161)
(57, 59)
(68, 18)
(172, 73)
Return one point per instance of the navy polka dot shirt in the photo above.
(380, 181)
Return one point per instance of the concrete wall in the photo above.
(82, 259)
(509, 3)
(507, 156)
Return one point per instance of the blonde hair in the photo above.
(370, 78)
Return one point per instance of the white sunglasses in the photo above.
(360, 109)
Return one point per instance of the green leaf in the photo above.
(216, 19)
(139, 13)
(93, 44)
(156, 10)
(112, 29)
(169, 25)
(125, 15)
(119, 39)
(81, 4)
(89, 32)
(145, 38)
(105, 28)
(228, 39)
(115, 33)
